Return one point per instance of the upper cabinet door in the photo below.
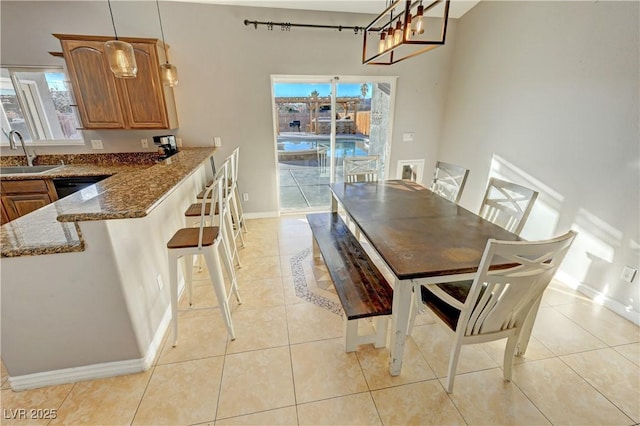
(94, 85)
(143, 97)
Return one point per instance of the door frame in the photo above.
(333, 80)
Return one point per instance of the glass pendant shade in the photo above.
(397, 33)
(382, 44)
(408, 30)
(121, 58)
(169, 74)
(419, 27)
(390, 38)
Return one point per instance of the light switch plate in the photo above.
(96, 144)
(407, 137)
(217, 141)
(179, 142)
(144, 143)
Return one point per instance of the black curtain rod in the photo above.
(286, 26)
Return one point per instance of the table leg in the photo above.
(402, 292)
(334, 203)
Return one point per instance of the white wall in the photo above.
(552, 89)
(225, 69)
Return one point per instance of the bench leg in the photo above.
(350, 335)
(382, 325)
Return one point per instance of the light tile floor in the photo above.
(288, 365)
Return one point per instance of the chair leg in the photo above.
(509, 352)
(237, 219)
(228, 262)
(233, 248)
(243, 224)
(453, 364)
(173, 285)
(215, 272)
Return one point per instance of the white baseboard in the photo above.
(612, 304)
(98, 371)
(76, 374)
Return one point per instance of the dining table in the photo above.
(421, 237)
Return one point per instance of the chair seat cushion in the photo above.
(459, 290)
(188, 237)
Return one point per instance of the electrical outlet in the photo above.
(179, 142)
(628, 274)
(144, 143)
(96, 144)
(217, 141)
(159, 281)
(245, 196)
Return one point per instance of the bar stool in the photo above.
(193, 211)
(204, 240)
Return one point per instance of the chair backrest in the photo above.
(214, 195)
(507, 204)
(361, 169)
(449, 180)
(235, 159)
(501, 299)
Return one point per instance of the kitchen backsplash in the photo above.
(106, 158)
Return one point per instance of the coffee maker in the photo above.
(167, 145)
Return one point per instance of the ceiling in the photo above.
(373, 7)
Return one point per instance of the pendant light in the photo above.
(419, 28)
(168, 72)
(400, 28)
(120, 55)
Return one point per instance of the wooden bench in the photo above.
(362, 289)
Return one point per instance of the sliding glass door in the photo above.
(320, 121)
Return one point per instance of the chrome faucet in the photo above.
(12, 145)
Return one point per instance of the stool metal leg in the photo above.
(173, 280)
(215, 272)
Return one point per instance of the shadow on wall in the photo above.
(591, 257)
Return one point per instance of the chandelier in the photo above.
(401, 32)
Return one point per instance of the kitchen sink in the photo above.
(10, 170)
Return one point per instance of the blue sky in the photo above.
(305, 89)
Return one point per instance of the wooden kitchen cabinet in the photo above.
(20, 197)
(107, 102)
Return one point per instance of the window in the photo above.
(37, 103)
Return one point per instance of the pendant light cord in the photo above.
(166, 54)
(112, 21)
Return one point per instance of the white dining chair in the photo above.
(500, 303)
(507, 204)
(361, 168)
(449, 180)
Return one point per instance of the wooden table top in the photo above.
(418, 233)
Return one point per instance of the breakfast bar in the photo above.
(85, 279)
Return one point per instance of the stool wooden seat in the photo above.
(188, 237)
(194, 210)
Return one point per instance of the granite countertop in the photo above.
(133, 191)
